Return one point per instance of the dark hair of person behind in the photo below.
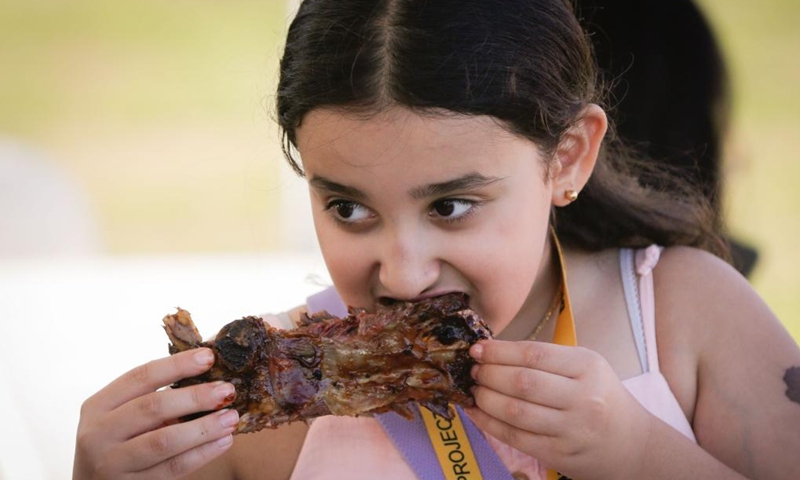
(527, 63)
(670, 92)
(669, 84)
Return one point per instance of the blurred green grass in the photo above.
(162, 112)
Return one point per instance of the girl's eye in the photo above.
(452, 209)
(347, 212)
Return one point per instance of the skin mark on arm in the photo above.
(792, 380)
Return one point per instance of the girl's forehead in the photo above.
(330, 136)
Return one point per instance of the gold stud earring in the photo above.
(571, 195)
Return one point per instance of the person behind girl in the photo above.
(670, 92)
(443, 141)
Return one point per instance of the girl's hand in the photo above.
(129, 428)
(563, 405)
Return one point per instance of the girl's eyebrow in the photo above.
(470, 181)
(322, 183)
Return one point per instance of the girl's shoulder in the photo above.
(690, 257)
(689, 281)
(686, 281)
(700, 300)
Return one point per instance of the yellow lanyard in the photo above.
(565, 327)
(452, 446)
(565, 323)
(449, 439)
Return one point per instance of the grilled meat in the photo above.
(364, 363)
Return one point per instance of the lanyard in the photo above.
(565, 323)
(415, 441)
(565, 326)
(452, 446)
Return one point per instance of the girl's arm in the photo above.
(731, 364)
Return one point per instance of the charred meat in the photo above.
(364, 363)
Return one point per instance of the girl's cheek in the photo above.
(350, 273)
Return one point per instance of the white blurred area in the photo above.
(73, 318)
(43, 212)
(69, 326)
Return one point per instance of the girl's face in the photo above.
(408, 206)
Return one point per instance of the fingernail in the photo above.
(228, 418)
(224, 392)
(474, 371)
(204, 357)
(476, 351)
(224, 441)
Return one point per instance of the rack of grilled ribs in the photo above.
(362, 364)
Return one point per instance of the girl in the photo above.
(442, 142)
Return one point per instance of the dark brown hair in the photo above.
(669, 83)
(526, 63)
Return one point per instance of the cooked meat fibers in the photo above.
(364, 363)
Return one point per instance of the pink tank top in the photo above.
(359, 448)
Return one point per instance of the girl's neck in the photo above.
(539, 301)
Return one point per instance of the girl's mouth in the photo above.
(389, 301)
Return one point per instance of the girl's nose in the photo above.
(408, 268)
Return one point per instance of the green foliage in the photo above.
(133, 63)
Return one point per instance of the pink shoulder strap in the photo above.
(646, 260)
(636, 267)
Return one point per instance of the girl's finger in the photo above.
(558, 359)
(520, 439)
(535, 386)
(156, 409)
(157, 446)
(546, 448)
(150, 377)
(522, 415)
(189, 461)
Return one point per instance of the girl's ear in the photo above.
(576, 155)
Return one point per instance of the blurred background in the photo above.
(139, 156)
